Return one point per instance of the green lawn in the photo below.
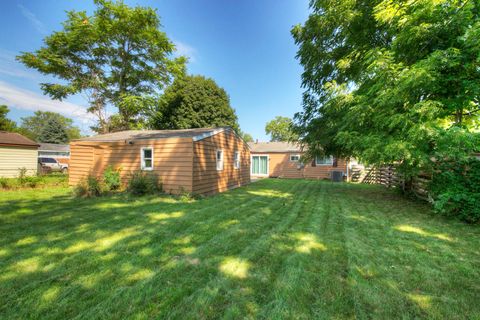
(275, 249)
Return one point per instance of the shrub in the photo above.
(22, 176)
(32, 181)
(5, 183)
(89, 187)
(455, 189)
(141, 183)
(185, 196)
(111, 179)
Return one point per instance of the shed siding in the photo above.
(81, 161)
(12, 159)
(172, 160)
(281, 166)
(206, 178)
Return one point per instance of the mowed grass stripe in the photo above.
(183, 268)
(276, 249)
(253, 246)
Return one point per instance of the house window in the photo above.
(147, 158)
(294, 157)
(219, 157)
(236, 160)
(324, 161)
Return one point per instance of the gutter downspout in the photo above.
(348, 165)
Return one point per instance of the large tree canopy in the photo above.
(117, 56)
(193, 102)
(391, 81)
(33, 126)
(280, 129)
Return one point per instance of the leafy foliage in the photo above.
(89, 187)
(281, 129)
(390, 81)
(247, 137)
(142, 183)
(52, 180)
(116, 56)
(33, 126)
(25, 180)
(53, 132)
(111, 179)
(193, 102)
(455, 188)
(5, 123)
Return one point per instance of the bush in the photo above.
(111, 179)
(455, 189)
(5, 183)
(32, 181)
(185, 196)
(22, 176)
(89, 187)
(141, 183)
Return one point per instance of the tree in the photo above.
(193, 102)
(281, 129)
(33, 126)
(390, 81)
(247, 137)
(117, 56)
(53, 132)
(5, 123)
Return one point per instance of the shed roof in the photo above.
(274, 147)
(15, 139)
(54, 147)
(195, 134)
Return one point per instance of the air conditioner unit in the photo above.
(337, 176)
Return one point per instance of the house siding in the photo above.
(280, 166)
(12, 159)
(172, 160)
(206, 178)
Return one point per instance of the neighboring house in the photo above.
(16, 153)
(283, 160)
(60, 152)
(201, 161)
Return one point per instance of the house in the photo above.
(201, 161)
(16, 153)
(61, 152)
(283, 160)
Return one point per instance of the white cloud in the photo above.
(27, 100)
(184, 49)
(33, 19)
(10, 67)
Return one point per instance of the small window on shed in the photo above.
(294, 157)
(147, 158)
(236, 160)
(219, 158)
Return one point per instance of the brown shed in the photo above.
(201, 161)
(283, 160)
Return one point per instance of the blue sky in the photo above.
(245, 46)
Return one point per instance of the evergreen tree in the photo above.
(53, 132)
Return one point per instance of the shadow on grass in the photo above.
(276, 248)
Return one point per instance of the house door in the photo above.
(260, 165)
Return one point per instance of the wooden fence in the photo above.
(388, 177)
